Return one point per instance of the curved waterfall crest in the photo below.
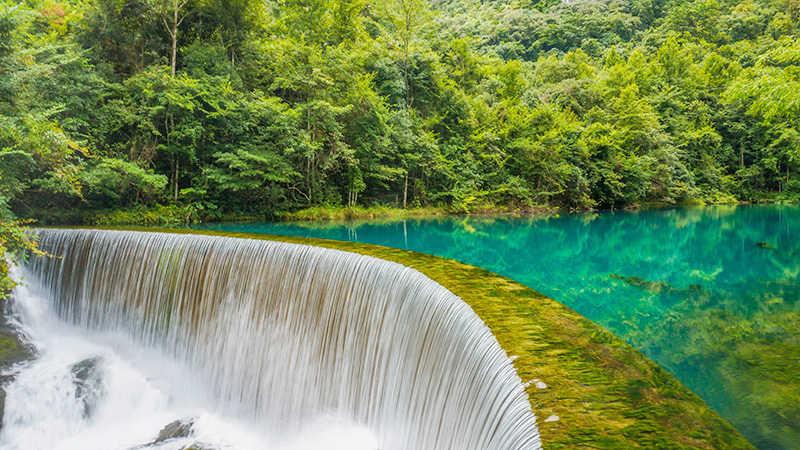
(284, 333)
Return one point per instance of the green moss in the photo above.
(11, 349)
(606, 394)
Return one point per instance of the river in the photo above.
(709, 293)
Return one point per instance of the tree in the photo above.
(32, 142)
(770, 91)
(172, 13)
(122, 35)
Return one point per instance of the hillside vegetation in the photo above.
(179, 110)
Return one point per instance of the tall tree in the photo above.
(172, 13)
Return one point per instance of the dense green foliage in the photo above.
(203, 109)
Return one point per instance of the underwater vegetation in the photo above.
(744, 356)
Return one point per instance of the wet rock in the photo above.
(86, 369)
(2, 406)
(12, 349)
(88, 383)
(175, 430)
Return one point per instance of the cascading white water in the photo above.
(281, 342)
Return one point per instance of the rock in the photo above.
(693, 292)
(650, 286)
(552, 418)
(765, 245)
(175, 430)
(86, 369)
(12, 349)
(2, 406)
(88, 383)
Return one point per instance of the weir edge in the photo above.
(587, 387)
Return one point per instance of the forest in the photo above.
(169, 111)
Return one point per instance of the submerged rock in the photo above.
(175, 430)
(88, 383)
(692, 291)
(655, 287)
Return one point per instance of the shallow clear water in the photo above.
(711, 294)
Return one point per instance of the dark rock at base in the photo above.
(12, 349)
(88, 383)
(174, 430)
(2, 406)
(85, 369)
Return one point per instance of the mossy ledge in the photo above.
(606, 394)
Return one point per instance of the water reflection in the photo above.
(711, 294)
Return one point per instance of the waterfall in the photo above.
(280, 336)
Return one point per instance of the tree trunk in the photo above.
(175, 177)
(408, 17)
(174, 36)
(177, 170)
(405, 192)
(405, 77)
(170, 13)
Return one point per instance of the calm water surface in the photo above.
(711, 294)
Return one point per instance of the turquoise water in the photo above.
(711, 294)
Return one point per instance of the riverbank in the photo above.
(326, 213)
(187, 214)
